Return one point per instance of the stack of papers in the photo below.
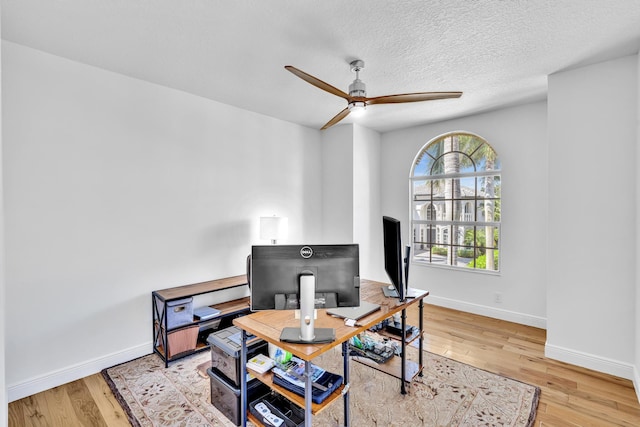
(260, 363)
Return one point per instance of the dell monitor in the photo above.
(396, 264)
(304, 277)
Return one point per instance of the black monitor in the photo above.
(396, 264)
(305, 277)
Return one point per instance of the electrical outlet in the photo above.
(497, 297)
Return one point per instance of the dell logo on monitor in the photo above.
(306, 252)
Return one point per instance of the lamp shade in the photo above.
(273, 228)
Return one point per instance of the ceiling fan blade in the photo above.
(341, 115)
(317, 82)
(412, 97)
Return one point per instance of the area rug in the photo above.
(449, 393)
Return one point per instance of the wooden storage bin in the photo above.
(182, 340)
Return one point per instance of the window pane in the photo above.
(435, 149)
(452, 188)
(436, 188)
(469, 143)
(466, 164)
(486, 158)
(489, 186)
(449, 163)
(468, 186)
(423, 238)
(488, 260)
(440, 208)
(423, 165)
(421, 190)
(423, 211)
(438, 167)
(468, 211)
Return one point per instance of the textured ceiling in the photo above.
(498, 52)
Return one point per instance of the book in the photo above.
(204, 313)
(260, 363)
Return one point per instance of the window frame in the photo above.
(468, 221)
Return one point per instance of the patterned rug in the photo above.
(449, 394)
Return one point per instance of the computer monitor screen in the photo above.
(279, 275)
(275, 272)
(394, 264)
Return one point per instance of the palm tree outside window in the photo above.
(455, 199)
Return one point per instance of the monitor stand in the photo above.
(321, 335)
(389, 292)
(306, 333)
(393, 293)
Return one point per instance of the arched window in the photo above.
(455, 199)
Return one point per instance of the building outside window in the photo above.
(455, 203)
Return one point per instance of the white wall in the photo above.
(3, 386)
(637, 322)
(367, 220)
(337, 184)
(351, 193)
(518, 135)
(115, 187)
(591, 299)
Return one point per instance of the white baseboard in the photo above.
(590, 361)
(636, 381)
(585, 360)
(496, 313)
(62, 376)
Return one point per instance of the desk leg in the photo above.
(345, 376)
(421, 337)
(308, 393)
(403, 368)
(243, 380)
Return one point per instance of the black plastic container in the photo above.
(226, 397)
(225, 353)
(281, 407)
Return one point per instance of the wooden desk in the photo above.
(269, 324)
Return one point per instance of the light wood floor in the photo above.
(571, 396)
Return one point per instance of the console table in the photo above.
(269, 324)
(161, 298)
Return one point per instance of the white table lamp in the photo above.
(273, 228)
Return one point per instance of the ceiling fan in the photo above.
(357, 96)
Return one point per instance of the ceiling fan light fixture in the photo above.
(357, 108)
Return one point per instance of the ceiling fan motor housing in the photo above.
(357, 88)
